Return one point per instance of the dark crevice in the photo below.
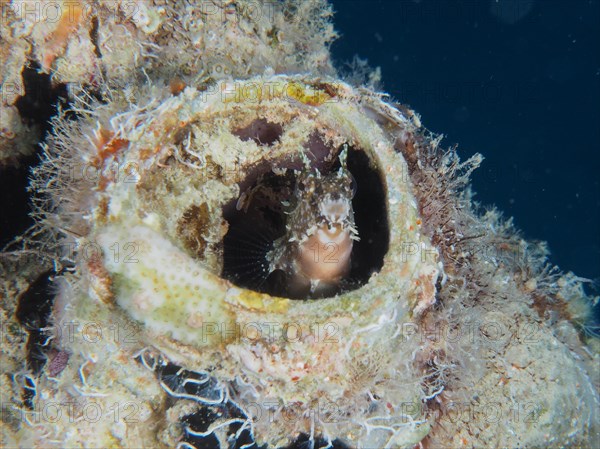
(36, 108)
(94, 36)
(260, 131)
(180, 383)
(33, 312)
(371, 216)
(42, 100)
(303, 442)
(188, 385)
(200, 422)
(253, 230)
(14, 200)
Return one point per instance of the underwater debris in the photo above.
(188, 315)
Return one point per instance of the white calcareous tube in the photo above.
(274, 256)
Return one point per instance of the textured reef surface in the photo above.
(235, 248)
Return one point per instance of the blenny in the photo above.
(315, 250)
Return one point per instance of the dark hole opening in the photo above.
(37, 107)
(33, 312)
(14, 201)
(260, 131)
(94, 36)
(42, 100)
(195, 425)
(259, 219)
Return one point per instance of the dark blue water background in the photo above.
(519, 82)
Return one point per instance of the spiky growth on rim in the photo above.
(481, 252)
